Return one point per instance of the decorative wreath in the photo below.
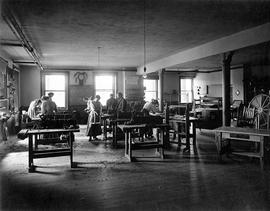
(80, 77)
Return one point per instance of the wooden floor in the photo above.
(105, 180)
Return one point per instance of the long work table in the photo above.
(131, 145)
(242, 134)
(44, 136)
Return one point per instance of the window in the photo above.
(104, 86)
(186, 93)
(150, 89)
(56, 83)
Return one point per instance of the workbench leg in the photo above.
(114, 135)
(161, 150)
(262, 152)
(31, 167)
(105, 129)
(218, 138)
(3, 130)
(36, 142)
(71, 137)
(194, 135)
(129, 147)
(187, 137)
(126, 144)
(179, 141)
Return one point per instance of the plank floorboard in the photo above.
(105, 180)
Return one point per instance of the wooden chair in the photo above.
(236, 105)
(183, 126)
(246, 117)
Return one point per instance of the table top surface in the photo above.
(120, 120)
(44, 131)
(104, 116)
(127, 127)
(36, 119)
(182, 118)
(124, 127)
(240, 130)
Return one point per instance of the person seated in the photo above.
(151, 107)
(34, 108)
(111, 104)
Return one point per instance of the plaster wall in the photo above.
(171, 86)
(210, 84)
(30, 84)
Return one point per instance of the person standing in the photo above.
(121, 103)
(111, 104)
(94, 109)
(52, 104)
(34, 108)
(44, 105)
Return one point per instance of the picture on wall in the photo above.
(80, 78)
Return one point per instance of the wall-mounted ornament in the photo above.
(237, 92)
(80, 77)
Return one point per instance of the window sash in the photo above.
(108, 90)
(186, 95)
(153, 90)
(45, 90)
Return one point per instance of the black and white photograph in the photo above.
(144, 105)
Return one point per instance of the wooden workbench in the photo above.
(242, 134)
(115, 123)
(130, 145)
(104, 121)
(35, 135)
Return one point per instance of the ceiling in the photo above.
(67, 33)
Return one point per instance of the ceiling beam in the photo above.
(10, 43)
(246, 38)
(18, 32)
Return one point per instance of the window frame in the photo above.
(114, 75)
(43, 91)
(156, 85)
(180, 91)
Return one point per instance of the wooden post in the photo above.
(161, 88)
(226, 82)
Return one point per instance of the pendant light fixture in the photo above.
(98, 48)
(144, 39)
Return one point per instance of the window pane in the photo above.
(186, 84)
(148, 96)
(150, 85)
(58, 98)
(186, 96)
(104, 95)
(186, 90)
(150, 91)
(54, 82)
(104, 82)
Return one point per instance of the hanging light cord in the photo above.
(144, 35)
(99, 56)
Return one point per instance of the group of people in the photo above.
(42, 106)
(113, 106)
(94, 109)
(46, 106)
